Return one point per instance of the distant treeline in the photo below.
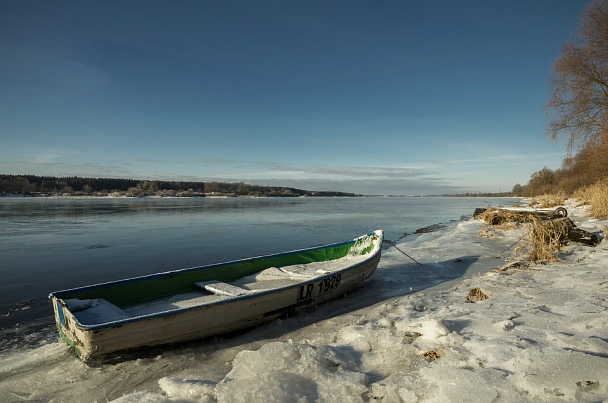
(481, 194)
(585, 169)
(33, 185)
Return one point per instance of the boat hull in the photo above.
(226, 314)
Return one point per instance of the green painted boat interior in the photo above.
(140, 290)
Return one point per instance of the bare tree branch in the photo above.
(577, 109)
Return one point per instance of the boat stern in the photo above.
(73, 335)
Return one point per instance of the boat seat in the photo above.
(223, 289)
(297, 272)
(95, 311)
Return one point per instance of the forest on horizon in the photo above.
(33, 185)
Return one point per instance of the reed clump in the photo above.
(543, 239)
(596, 196)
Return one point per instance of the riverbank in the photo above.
(409, 334)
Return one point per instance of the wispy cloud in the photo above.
(501, 160)
(422, 177)
(257, 168)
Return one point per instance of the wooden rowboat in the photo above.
(198, 302)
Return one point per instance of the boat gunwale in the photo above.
(55, 296)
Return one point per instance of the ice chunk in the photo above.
(199, 389)
(293, 372)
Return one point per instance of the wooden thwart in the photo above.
(221, 288)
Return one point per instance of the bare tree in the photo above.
(541, 182)
(578, 105)
(518, 190)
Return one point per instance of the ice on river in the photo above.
(408, 335)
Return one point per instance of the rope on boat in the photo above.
(396, 247)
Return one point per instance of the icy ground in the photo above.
(408, 335)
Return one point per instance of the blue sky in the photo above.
(372, 97)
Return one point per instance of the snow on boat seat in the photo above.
(306, 270)
(220, 288)
(95, 311)
(294, 272)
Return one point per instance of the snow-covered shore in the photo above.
(412, 336)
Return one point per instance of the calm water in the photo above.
(53, 244)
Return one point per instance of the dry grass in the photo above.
(505, 219)
(597, 198)
(544, 238)
(547, 201)
(476, 295)
(433, 355)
